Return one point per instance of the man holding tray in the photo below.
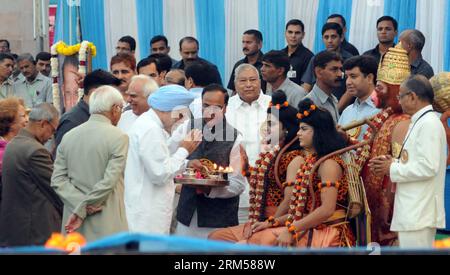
(203, 209)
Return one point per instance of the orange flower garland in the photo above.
(300, 192)
(442, 244)
(363, 153)
(328, 184)
(257, 175)
(68, 243)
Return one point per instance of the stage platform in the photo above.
(136, 244)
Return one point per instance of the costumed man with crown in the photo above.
(392, 126)
(441, 88)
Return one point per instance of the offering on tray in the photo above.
(209, 175)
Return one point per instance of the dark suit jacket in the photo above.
(31, 210)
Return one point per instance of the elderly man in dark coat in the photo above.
(31, 211)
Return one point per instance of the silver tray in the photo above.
(202, 182)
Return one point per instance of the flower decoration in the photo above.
(279, 106)
(306, 113)
(256, 181)
(63, 49)
(363, 153)
(300, 192)
(442, 244)
(60, 48)
(69, 243)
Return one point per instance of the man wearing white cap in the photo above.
(152, 165)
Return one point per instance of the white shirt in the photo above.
(419, 199)
(149, 174)
(248, 119)
(127, 120)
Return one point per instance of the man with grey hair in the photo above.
(175, 77)
(34, 88)
(152, 165)
(89, 168)
(413, 41)
(246, 112)
(141, 87)
(79, 114)
(419, 173)
(31, 210)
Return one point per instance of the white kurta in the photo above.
(419, 198)
(149, 174)
(248, 119)
(127, 120)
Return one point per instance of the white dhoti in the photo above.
(417, 239)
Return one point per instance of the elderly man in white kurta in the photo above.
(141, 87)
(151, 166)
(419, 174)
(246, 112)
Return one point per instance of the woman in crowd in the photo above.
(13, 117)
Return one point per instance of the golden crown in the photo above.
(441, 88)
(394, 66)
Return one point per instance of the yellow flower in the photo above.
(63, 49)
(93, 50)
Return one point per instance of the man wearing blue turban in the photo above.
(152, 164)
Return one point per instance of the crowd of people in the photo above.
(107, 161)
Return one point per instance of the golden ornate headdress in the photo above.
(394, 66)
(441, 88)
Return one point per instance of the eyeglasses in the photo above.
(400, 96)
(53, 127)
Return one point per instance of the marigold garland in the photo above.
(363, 153)
(299, 199)
(328, 184)
(300, 192)
(61, 48)
(69, 243)
(257, 175)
